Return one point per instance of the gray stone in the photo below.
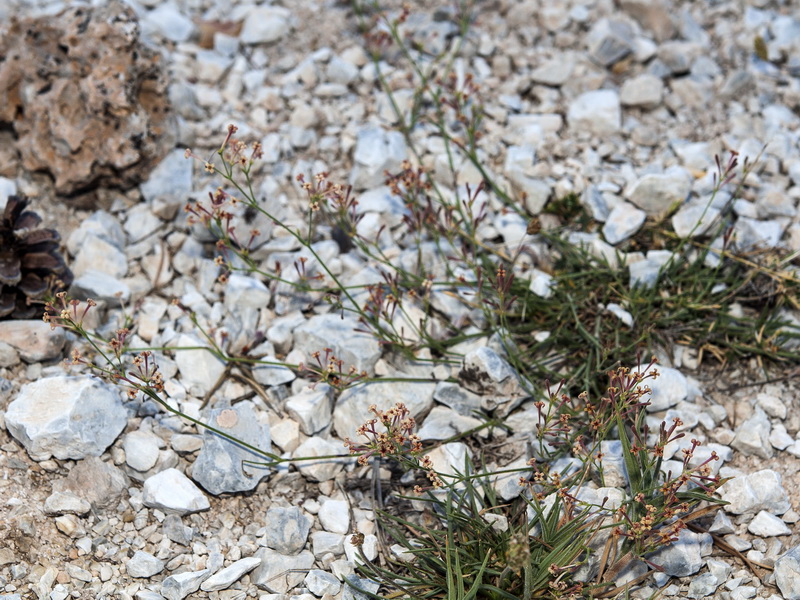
(177, 587)
(750, 233)
(8, 355)
(334, 516)
(272, 374)
(66, 417)
(554, 72)
(66, 503)
(654, 15)
(376, 151)
(609, 41)
(324, 542)
(101, 484)
(358, 350)
(779, 438)
(311, 408)
(287, 529)
(172, 492)
(244, 291)
(225, 466)
(694, 219)
(450, 459)
(100, 286)
(323, 469)
(678, 55)
(592, 199)
(99, 254)
(442, 423)
(281, 329)
(229, 575)
(265, 24)
(646, 272)
(148, 595)
(353, 585)
(99, 224)
(351, 408)
(141, 222)
(175, 530)
(506, 485)
(34, 340)
(619, 312)
(765, 524)
(486, 372)
(752, 436)
(597, 113)
(168, 22)
(656, 194)
(341, 71)
(703, 585)
(456, 397)
(684, 557)
(141, 450)
(171, 179)
(623, 221)
(542, 283)
(614, 473)
(757, 491)
(144, 564)
(669, 388)
(278, 573)
(200, 369)
(320, 583)
(787, 574)
(644, 91)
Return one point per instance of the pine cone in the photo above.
(30, 263)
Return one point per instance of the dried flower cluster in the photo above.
(390, 434)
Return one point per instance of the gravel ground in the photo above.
(619, 102)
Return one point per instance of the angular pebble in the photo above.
(752, 436)
(66, 417)
(141, 450)
(622, 222)
(669, 388)
(34, 340)
(655, 194)
(177, 587)
(684, 557)
(62, 503)
(351, 409)
(311, 408)
(597, 113)
(172, 492)
(334, 515)
(287, 529)
(323, 469)
(320, 583)
(787, 574)
(278, 572)
(144, 564)
(229, 575)
(220, 467)
(376, 151)
(359, 350)
(762, 490)
(765, 524)
(265, 24)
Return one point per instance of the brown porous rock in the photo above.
(84, 98)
